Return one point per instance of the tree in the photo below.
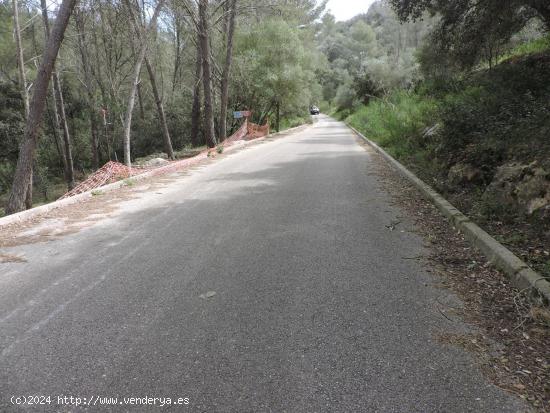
(470, 30)
(204, 40)
(414, 9)
(227, 67)
(196, 108)
(22, 83)
(61, 118)
(160, 109)
(135, 81)
(27, 151)
(158, 99)
(89, 85)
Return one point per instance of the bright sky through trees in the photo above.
(346, 9)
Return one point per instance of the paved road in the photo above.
(316, 308)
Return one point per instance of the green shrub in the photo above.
(502, 115)
(398, 123)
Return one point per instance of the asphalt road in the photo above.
(317, 306)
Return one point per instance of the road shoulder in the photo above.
(511, 346)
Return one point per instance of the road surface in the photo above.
(275, 279)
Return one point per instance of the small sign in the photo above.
(242, 114)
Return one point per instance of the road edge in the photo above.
(519, 273)
(44, 209)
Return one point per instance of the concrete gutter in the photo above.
(44, 209)
(519, 273)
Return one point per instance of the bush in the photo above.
(346, 97)
(502, 115)
(398, 123)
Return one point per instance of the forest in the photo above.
(137, 78)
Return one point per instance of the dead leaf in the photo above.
(207, 295)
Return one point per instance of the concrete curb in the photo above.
(44, 209)
(514, 268)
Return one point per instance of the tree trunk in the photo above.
(160, 108)
(140, 102)
(23, 171)
(22, 83)
(278, 116)
(69, 169)
(135, 78)
(177, 61)
(54, 122)
(158, 100)
(227, 70)
(51, 110)
(28, 197)
(89, 85)
(206, 74)
(196, 110)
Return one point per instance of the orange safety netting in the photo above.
(257, 131)
(115, 171)
(110, 172)
(237, 136)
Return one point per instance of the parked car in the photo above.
(314, 110)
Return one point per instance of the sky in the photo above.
(346, 9)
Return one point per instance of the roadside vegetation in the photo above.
(129, 86)
(470, 115)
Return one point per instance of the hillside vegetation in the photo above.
(476, 130)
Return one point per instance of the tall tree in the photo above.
(227, 68)
(69, 169)
(158, 98)
(23, 171)
(88, 85)
(22, 83)
(160, 110)
(135, 80)
(204, 40)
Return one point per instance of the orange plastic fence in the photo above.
(115, 171)
(257, 131)
(237, 136)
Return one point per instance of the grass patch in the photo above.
(288, 123)
(539, 45)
